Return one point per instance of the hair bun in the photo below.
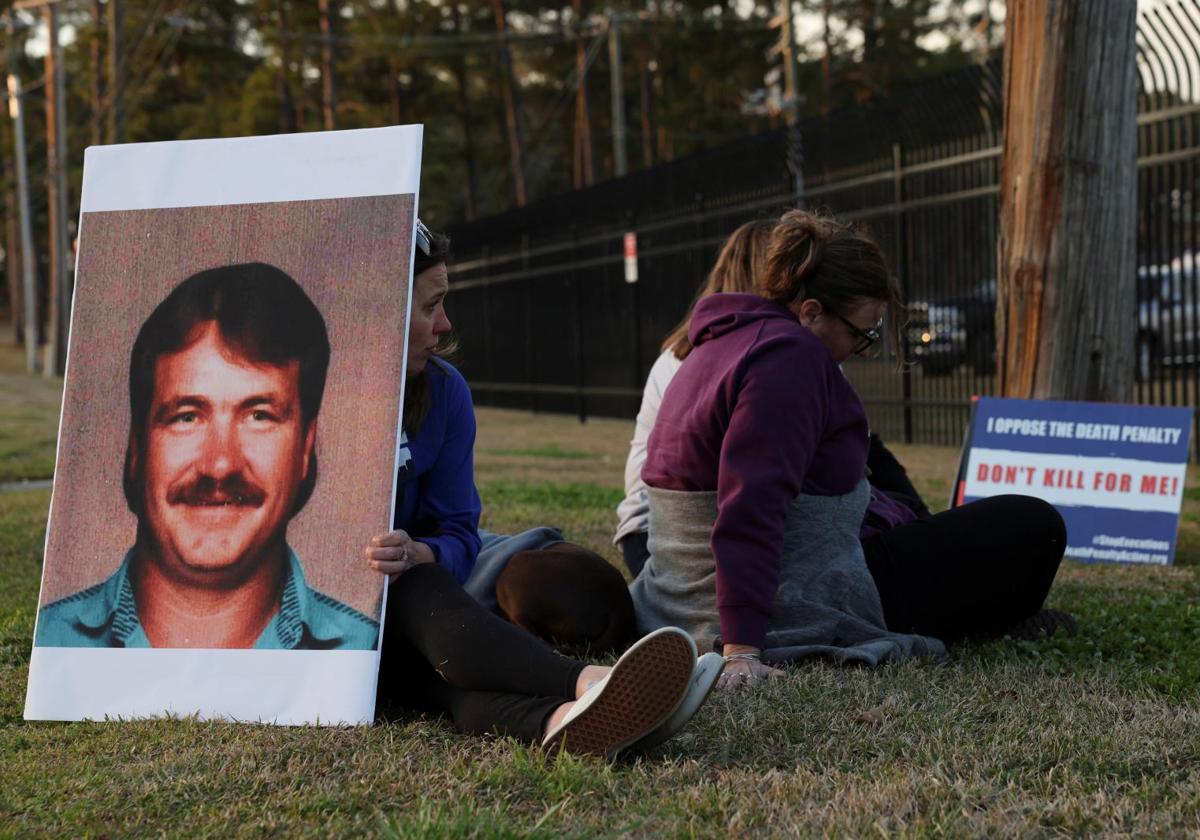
(801, 233)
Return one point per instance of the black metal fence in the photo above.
(548, 323)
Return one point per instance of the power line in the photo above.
(449, 42)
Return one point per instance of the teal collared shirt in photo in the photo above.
(105, 615)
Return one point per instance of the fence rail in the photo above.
(548, 322)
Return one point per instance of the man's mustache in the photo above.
(205, 490)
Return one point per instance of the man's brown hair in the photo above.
(260, 312)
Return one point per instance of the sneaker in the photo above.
(641, 691)
(704, 678)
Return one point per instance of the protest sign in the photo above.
(239, 319)
(1115, 472)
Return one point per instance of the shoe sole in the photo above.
(687, 708)
(642, 692)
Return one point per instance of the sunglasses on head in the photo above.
(865, 337)
(424, 239)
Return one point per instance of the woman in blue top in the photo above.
(444, 652)
(436, 501)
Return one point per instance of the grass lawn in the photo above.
(29, 409)
(1099, 734)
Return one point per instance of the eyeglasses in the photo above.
(424, 239)
(865, 337)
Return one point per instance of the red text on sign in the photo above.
(1000, 474)
(1162, 485)
(1112, 482)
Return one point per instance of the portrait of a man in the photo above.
(226, 379)
(229, 432)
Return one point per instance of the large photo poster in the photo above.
(228, 438)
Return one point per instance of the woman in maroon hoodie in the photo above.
(758, 493)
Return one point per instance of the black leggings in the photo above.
(634, 551)
(975, 569)
(443, 652)
(889, 476)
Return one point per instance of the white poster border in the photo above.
(268, 686)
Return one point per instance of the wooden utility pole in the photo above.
(785, 48)
(116, 72)
(511, 117)
(790, 102)
(59, 303)
(1065, 300)
(616, 75)
(328, 79)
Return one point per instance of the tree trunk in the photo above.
(288, 123)
(585, 173)
(395, 90)
(869, 23)
(12, 243)
(402, 23)
(116, 71)
(661, 92)
(96, 67)
(826, 58)
(509, 95)
(328, 74)
(1065, 299)
(56, 350)
(462, 85)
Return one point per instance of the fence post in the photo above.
(530, 358)
(902, 255)
(637, 310)
(581, 378)
(485, 290)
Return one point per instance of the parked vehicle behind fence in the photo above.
(941, 335)
(1168, 316)
(944, 334)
